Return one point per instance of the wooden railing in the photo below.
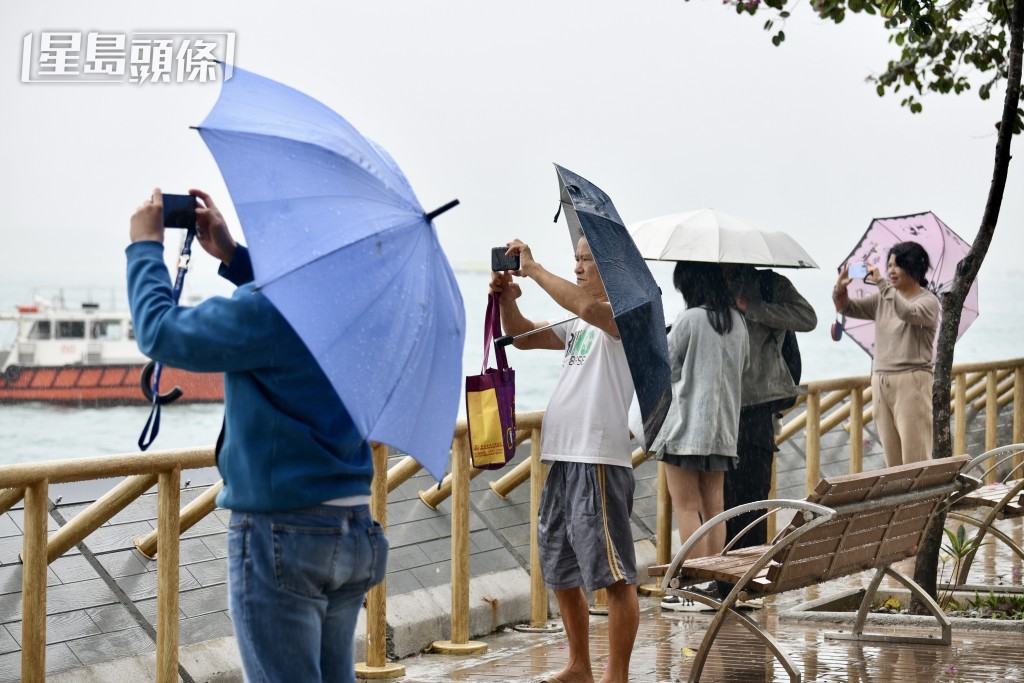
(984, 387)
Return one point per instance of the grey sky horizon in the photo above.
(666, 105)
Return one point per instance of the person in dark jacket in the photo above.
(770, 306)
(302, 546)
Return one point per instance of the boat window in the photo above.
(70, 329)
(107, 330)
(40, 330)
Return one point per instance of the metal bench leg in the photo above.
(725, 609)
(865, 606)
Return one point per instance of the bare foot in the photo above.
(572, 676)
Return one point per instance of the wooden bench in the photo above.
(1003, 499)
(849, 524)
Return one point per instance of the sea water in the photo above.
(35, 431)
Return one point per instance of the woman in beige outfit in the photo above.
(906, 319)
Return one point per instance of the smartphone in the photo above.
(858, 270)
(180, 211)
(499, 261)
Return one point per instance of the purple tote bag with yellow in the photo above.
(491, 402)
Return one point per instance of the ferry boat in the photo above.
(86, 356)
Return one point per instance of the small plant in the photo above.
(958, 547)
(999, 606)
(892, 603)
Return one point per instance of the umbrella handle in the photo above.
(146, 380)
(502, 342)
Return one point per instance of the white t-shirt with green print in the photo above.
(586, 419)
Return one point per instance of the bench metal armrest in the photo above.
(810, 511)
(1001, 454)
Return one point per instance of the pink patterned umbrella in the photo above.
(945, 250)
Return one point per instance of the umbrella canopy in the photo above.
(632, 291)
(945, 250)
(343, 249)
(716, 237)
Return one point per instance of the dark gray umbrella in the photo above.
(634, 295)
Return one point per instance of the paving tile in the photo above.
(192, 550)
(10, 548)
(438, 550)
(7, 641)
(217, 545)
(148, 609)
(61, 627)
(205, 627)
(409, 511)
(18, 517)
(223, 515)
(406, 557)
(10, 580)
(402, 582)
(491, 561)
(61, 598)
(109, 618)
(143, 586)
(204, 600)
(480, 541)
(7, 526)
(107, 646)
(405, 534)
(116, 536)
(435, 574)
(209, 573)
(72, 568)
(211, 524)
(123, 563)
(59, 657)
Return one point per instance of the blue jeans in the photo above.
(296, 582)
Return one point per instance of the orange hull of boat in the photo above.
(104, 385)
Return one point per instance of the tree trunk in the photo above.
(926, 571)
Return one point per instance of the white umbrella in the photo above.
(716, 237)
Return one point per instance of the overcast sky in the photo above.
(666, 105)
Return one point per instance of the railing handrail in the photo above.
(19, 475)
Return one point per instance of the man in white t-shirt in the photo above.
(584, 533)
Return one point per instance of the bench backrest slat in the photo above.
(881, 517)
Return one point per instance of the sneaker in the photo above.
(674, 603)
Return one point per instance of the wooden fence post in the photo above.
(33, 584)
(813, 440)
(167, 571)
(376, 665)
(460, 644)
(538, 591)
(856, 430)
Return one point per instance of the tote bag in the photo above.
(491, 402)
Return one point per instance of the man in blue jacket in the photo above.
(302, 546)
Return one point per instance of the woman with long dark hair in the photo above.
(708, 350)
(906, 319)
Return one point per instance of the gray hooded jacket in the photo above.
(767, 377)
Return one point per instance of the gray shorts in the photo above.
(584, 534)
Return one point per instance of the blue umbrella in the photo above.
(343, 249)
(634, 295)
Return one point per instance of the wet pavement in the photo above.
(667, 641)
